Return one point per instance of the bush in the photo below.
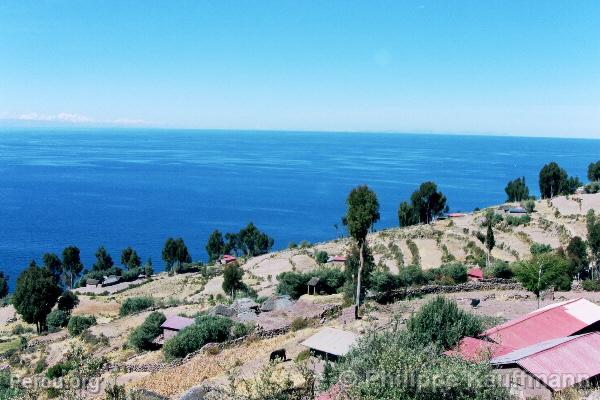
(206, 329)
(447, 274)
(539, 248)
(529, 205)
(321, 257)
(131, 274)
(133, 305)
(67, 301)
(20, 329)
(240, 330)
(298, 324)
(294, 284)
(516, 221)
(440, 321)
(502, 269)
(79, 323)
(141, 338)
(59, 370)
(593, 187)
(58, 319)
(591, 285)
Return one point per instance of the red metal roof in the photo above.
(228, 257)
(177, 323)
(455, 215)
(554, 321)
(337, 259)
(563, 363)
(475, 272)
(472, 349)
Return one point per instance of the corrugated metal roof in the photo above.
(472, 349)
(561, 362)
(177, 323)
(553, 321)
(331, 341)
(475, 272)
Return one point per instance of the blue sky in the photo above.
(501, 67)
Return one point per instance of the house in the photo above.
(331, 342)
(516, 210)
(571, 317)
(111, 280)
(542, 369)
(475, 274)
(337, 260)
(174, 324)
(473, 349)
(227, 259)
(92, 282)
(312, 283)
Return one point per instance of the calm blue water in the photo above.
(124, 187)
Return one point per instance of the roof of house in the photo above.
(177, 323)
(337, 258)
(314, 281)
(331, 341)
(550, 322)
(472, 349)
(475, 272)
(517, 210)
(455, 215)
(560, 362)
(228, 257)
(111, 279)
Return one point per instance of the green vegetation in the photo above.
(215, 247)
(298, 324)
(362, 213)
(554, 181)
(490, 242)
(35, 294)
(294, 284)
(517, 190)
(3, 285)
(539, 248)
(593, 239)
(79, 323)
(577, 254)
(321, 257)
(543, 271)
(53, 264)
(133, 305)
(175, 251)
(141, 338)
(403, 364)
(529, 205)
(206, 329)
(130, 258)
(502, 270)
(414, 252)
(593, 173)
(513, 220)
(71, 265)
(232, 279)
(591, 285)
(249, 241)
(57, 319)
(67, 301)
(427, 203)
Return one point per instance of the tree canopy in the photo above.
(35, 295)
(426, 203)
(71, 264)
(232, 279)
(593, 236)
(249, 241)
(3, 285)
(53, 264)
(544, 271)
(215, 247)
(517, 190)
(130, 258)
(175, 251)
(577, 254)
(103, 260)
(362, 213)
(407, 215)
(555, 181)
(594, 171)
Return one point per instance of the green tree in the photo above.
(67, 301)
(362, 214)
(407, 215)
(321, 257)
(428, 202)
(554, 181)
(594, 171)
(517, 190)
(544, 271)
(175, 251)
(490, 242)
(3, 285)
(143, 336)
(593, 239)
(103, 260)
(215, 247)
(71, 264)
(35, 295)
(252, 242)
(232, 279)
(130, 258)
(577, 254)
(53, 264)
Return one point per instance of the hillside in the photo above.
(552, 223)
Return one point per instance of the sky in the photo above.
(487, 67)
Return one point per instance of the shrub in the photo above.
(40, 366)
(133, 305)
(59, 370)
(412, 275)
(20, 329)
(58, 319)
(67, 301)
(529, 205)
(131, 274)
(141, 338)
(539, 248)
(440, 321)
(516, 221)
(502, 269)
(294, 284)
(321, 257)
(206, 329)
(455, 270)
(591, 285)
(88, 337)
(298, 324)
(302, 356)
(239, 330)
(79, 323)
(593, 187)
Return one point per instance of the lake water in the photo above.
(123, 187)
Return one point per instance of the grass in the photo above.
(10, 345)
